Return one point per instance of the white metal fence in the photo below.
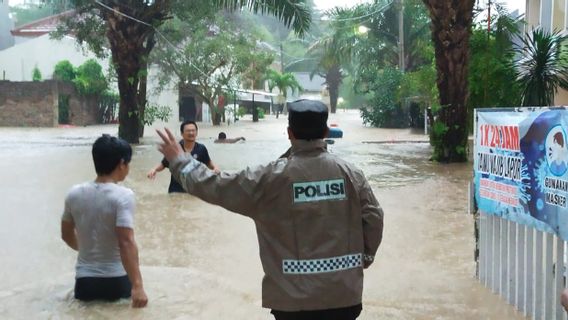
(524, 266)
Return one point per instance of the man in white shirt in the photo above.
(98, 222)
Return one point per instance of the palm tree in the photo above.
(130, 27)
(283, 81)
(451, 26)
(542, 67)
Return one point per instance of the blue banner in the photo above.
(521, 166)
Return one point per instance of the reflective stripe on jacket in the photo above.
(316, 217)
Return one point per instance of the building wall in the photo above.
(35, 104)
(28, 104)
(549, 15)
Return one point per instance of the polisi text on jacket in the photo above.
(319, 190)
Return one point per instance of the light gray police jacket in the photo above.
(317, 220)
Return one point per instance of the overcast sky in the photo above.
(328, 4)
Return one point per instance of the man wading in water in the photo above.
(318, 222)
(188, 130)
(98, 221)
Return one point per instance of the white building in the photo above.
(550, 15)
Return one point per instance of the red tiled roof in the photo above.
(40, 27)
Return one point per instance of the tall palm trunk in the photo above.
(333, 79)
(451, 24)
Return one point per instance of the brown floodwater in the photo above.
(201, 262)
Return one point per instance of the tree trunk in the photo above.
(130, 45)
(333, 79)
(451, 25)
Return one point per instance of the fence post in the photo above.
(482, 249)
(521, 268)
(530, 274)
(548, 278)
(559, 277)
(504, 255)
(539, 277)
(512, 266)
(489, 255)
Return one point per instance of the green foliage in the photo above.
(220, 61)
(283, 81)
(153, 113)
(260, 113)
(492, 74)
(542, 67)
(90, 79)
(385, 110)
(437, 134)
(63, 108)
(241, 112)
(36, 74)
(64, 71)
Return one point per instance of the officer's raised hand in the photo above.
(169, 147)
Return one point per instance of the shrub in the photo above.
(36, 74)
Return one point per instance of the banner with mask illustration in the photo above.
(521, 166)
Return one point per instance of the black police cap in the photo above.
(307, 119)
(305, 105)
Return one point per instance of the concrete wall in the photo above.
(35, 104)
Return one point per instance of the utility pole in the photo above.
(401, 36)
(281, 58)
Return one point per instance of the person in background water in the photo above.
(222, 138)
(198, 151)
(98, 221)
(318, 223)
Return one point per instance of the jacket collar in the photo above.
(299, 146)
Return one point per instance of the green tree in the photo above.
(284, 82)
(492, 74)
(451, 27)
(89, 78)
(542, 67)
(36, 74)
(64, 71)
(220, 60)
(130, 28)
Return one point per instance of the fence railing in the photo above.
(524, 266)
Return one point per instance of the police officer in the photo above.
(318, 222)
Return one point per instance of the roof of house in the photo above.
(40, 27)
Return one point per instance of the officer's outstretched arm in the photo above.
(239, 192)
(372, 216)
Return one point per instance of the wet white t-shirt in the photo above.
(96, 209)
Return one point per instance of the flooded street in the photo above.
(201, 262)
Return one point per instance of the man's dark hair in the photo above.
(222, 136)
(185, 123)
(108, 151)
(307, 119)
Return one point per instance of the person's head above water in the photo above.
(222, 136)
(307, 119)
(188, 130)
(109, 152)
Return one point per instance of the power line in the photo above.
(156, 30)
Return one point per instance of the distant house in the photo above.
(34, 47)
(314, 88)
(38, 28)
(549, 15)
